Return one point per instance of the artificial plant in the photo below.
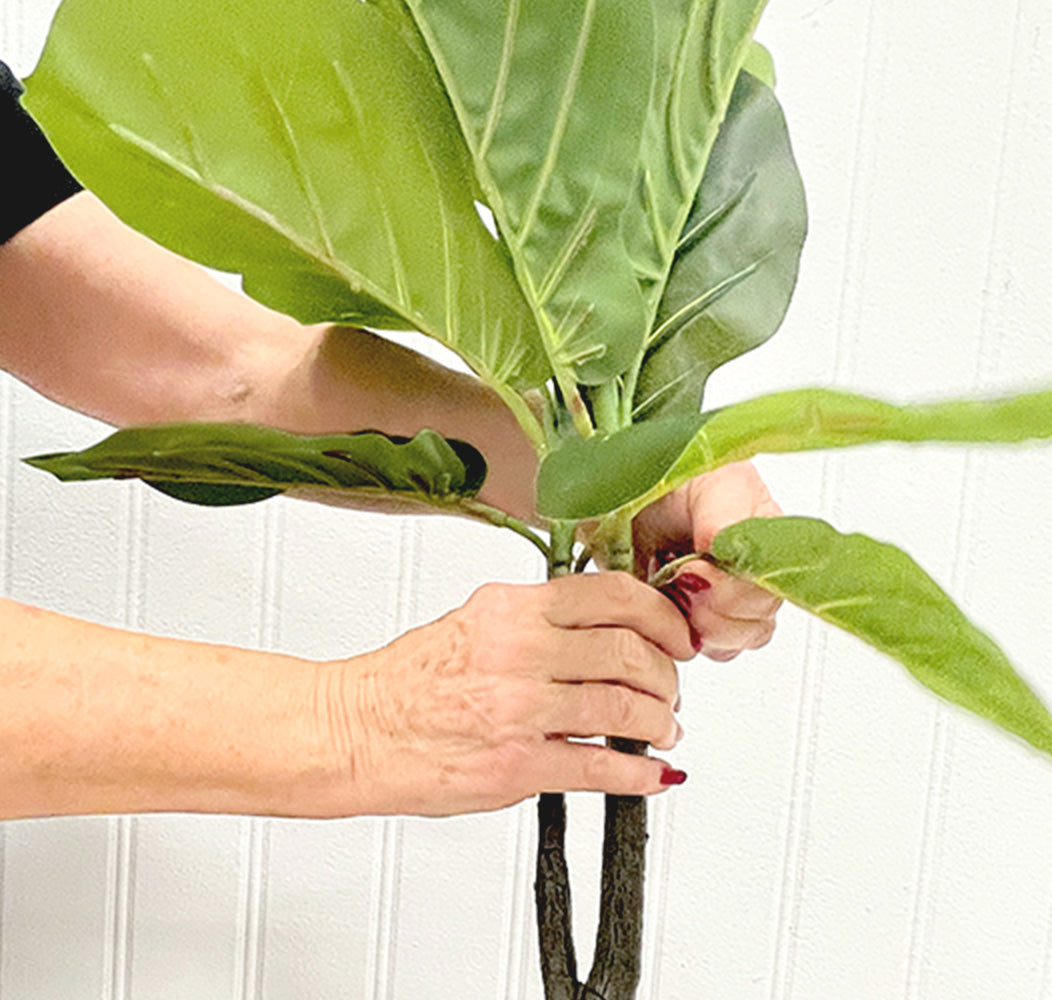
(647, 222)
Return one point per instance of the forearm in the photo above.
(99, 318)
(98, 720)
(346, 379)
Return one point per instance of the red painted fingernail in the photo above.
(679, 597)
(695, 638)
(679, 703)
(692, 583)
(670, 776)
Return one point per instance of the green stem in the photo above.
(525, 416)
(552, 883)
(606, 402)
(502, 519)
(619, 938)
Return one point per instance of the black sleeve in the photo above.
(32, 178)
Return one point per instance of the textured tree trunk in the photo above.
(618, 946)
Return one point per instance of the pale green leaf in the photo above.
(701, 47)
(224, 464)
(552, 97)
(589, 478)
(737, 258)
(760, 63)
(878, 593)
(305, 145)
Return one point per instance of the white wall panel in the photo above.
(841, 834)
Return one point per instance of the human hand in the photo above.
(725, 614)
(478, 710)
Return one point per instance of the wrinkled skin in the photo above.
(479, 710)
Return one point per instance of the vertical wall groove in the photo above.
(255, 832)
(380, 973)
(511, 978)
(923, 915)
(662, 817)
(801, 790)
(123, 830)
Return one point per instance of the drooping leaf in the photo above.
(587, 478)
(226, 464)
(736, 260)
(305, 145)
(878, 593)
(701, 47)
(552, 97)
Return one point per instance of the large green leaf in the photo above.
(701, 48)
(878, 593)
(589, 478)
(552, 97)
(224, 464)
(305, 145)
(736, 260)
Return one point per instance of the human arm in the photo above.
(101, 319)
(468, 713)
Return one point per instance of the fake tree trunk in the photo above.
(618, 944)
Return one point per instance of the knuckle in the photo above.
(763, 635)
(597, 771)
(622, 711)
(629, 649)
(620, 587)
(490, 594)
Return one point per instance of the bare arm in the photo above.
(468, 713)
(101, 319)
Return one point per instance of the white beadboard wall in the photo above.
(841, 835)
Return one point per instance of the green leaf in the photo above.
(589, 478)
(878, 593)
(305, 145)
(552, 97)
(760, 63)
(585, 478)
(224, 464)
(701, 47)
(737, 257)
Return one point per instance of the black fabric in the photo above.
(32, 178)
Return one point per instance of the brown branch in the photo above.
(619, 939)
(552, 893)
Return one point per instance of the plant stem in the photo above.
(551, 886)
(502, 519)
(606, 402)
(619, 938)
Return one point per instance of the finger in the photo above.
(725, 496)
(614, 655)
(703, 582)
(586, 710)
(738, 598)
(581, 767)
(601, 599)
(720, 633)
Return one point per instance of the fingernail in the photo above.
(679, 703)
(670, 776)
(692, 583)
(679, 597)
(695, 638)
